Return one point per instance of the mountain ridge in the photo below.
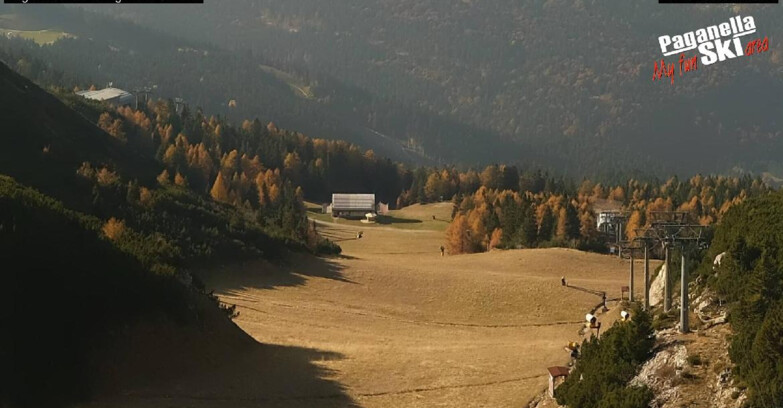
(582, 103)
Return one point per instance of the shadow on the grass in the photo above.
(389, 220)
(263, 274)
(343, 239)
(343, 256)
(214, 365)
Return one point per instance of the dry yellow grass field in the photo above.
(401, 326)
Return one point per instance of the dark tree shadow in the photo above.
(262, 375)
(262, 274)
(388, 220)
(338, 235)
(216, 365)
(343, 256)
(344, 239)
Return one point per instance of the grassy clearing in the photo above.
(298, 86)
(415, 329)
(428, 217)
(41, 37)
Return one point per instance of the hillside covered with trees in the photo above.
(509, 218)
(104, 210)
(566, 83)
(608, 363)
(254, 164)
(86, 279)
(98, 50)
(95, 240)
(750, 279)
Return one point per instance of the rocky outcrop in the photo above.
(709, 309)
(687, 370)
(691, 370)
(718, 259)
(656, 287)
(664, 370)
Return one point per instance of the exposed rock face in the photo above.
(687, 370)
(662, 372)
(709, 309)
(656, 287)
(544, 401)
(718, 260)
(691, 370)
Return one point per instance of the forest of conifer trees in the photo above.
(270, 172)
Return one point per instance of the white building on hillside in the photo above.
(352, 205)
(113, 96)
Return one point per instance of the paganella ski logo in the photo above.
(716, 43)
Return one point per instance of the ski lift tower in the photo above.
(629, 248)
(673, 229)
(145, 92)
(178, 104)
(646, 244)
(611, 224)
